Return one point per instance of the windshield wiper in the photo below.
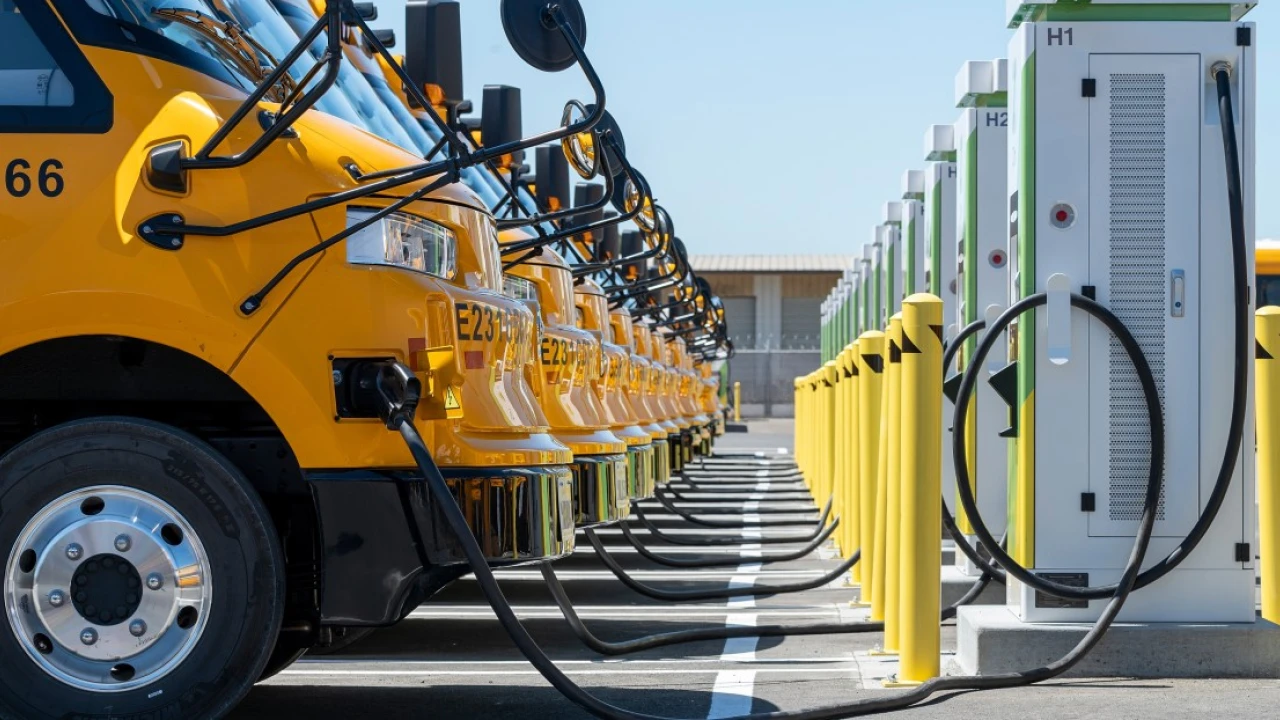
(240, 47)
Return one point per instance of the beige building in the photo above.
(773, 308)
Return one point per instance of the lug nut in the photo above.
(154, 581)
(57, 598)
(137, 628)
(123, 543)
(74, 551)
(88, 636)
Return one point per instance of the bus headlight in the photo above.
(404, 241)
(519, 288)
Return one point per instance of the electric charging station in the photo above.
(940, 220)
(849, 291)
(890, 234)
(854, 274)
(1119, 191)
(866, 266)
(981, 137)
(824, 326)
(913, 245)
(872, 259)
(940, 261)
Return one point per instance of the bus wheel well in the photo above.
(64, 379)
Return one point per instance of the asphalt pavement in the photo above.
(451, 659)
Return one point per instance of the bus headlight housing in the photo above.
(519, 288)
(404, 241)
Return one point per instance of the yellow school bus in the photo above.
(227, 272)
(1267, 270)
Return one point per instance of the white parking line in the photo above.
(682, 661)
(654, 612)
(742, 601)
(734, 690)
(732, 694)
(843, 670)
(658, 574)
(740, 649)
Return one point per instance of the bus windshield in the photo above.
(473, 177)
(375, 116)
(270, 30)
(1267, 267)
(178, 32)
(404, 119)
(1268, 290)
(478, 179)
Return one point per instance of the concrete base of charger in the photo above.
(955, 584)
(991, 640)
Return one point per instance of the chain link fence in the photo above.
(768, 379)
(788, 341)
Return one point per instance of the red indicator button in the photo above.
(1062, 216)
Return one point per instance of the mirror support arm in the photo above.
(566, 233)
(331, 22)
(583, 125)
(581, 209)
(644, 287)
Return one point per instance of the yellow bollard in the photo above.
(827, 430)
(799, 407)
(807, 390)
(804, 421)
(881, 490)
(819, 399)
(815, 422)
(803, 424)
(814, 447)
(920, 595)
(796, 424)
(838, 496)
(737, 402)
(1267, 398)
(852, 514)
(870, 364)
(810, 412)
(892, 486)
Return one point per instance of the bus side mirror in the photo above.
(610, 246)
(533, 28)
(552, 179)
(501, 121)
(588, 194)
(433, 48)
(616, 147)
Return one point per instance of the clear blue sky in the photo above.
(781, 127)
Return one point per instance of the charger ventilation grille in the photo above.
(1138, 276)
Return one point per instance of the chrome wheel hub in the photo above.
(107, 588)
